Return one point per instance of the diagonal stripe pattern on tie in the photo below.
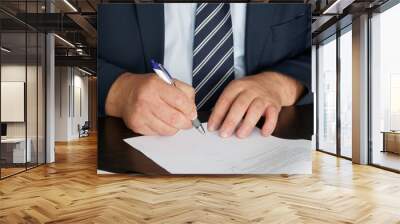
(212, 53)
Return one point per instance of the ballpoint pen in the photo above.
(164, 75)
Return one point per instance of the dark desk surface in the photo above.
(114, 155)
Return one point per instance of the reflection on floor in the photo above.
(10, 169)
(346, 152)
(70, 191)
(387, 159)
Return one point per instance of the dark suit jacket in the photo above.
(277, 38)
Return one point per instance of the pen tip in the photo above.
(202, 130)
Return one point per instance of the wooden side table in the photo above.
(391, 141)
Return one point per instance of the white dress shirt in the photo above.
(179, 29)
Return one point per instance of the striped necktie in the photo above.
(212, 53)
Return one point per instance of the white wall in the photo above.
(61, 103)
(79, 117)
(70, 83)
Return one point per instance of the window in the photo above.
(385, 89)
(346, 93)
(327, 96)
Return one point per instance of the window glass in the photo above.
(327, 96)
(385, 89)
(15, 149)
(346, 94)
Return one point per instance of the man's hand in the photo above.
(149, 106)
(245, 100)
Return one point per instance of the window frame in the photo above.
(333, 37)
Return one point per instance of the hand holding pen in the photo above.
(166, 77)
(149, 106)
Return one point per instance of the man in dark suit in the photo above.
(242, 61)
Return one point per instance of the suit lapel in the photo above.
(259, 18)
(151, 25)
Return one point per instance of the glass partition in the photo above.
(14, 145)
(22, 91)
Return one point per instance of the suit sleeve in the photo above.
(111, 73)
(299, 68)
(118, 47)
(297, 63)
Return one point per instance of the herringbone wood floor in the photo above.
(69, 191)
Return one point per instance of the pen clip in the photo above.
(154, 64)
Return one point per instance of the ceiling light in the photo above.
(337, 7)
(329, 9)
(65, 41)
(5, 50)
(70, 5)
(84, 71)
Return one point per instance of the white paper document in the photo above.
(189, 152)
